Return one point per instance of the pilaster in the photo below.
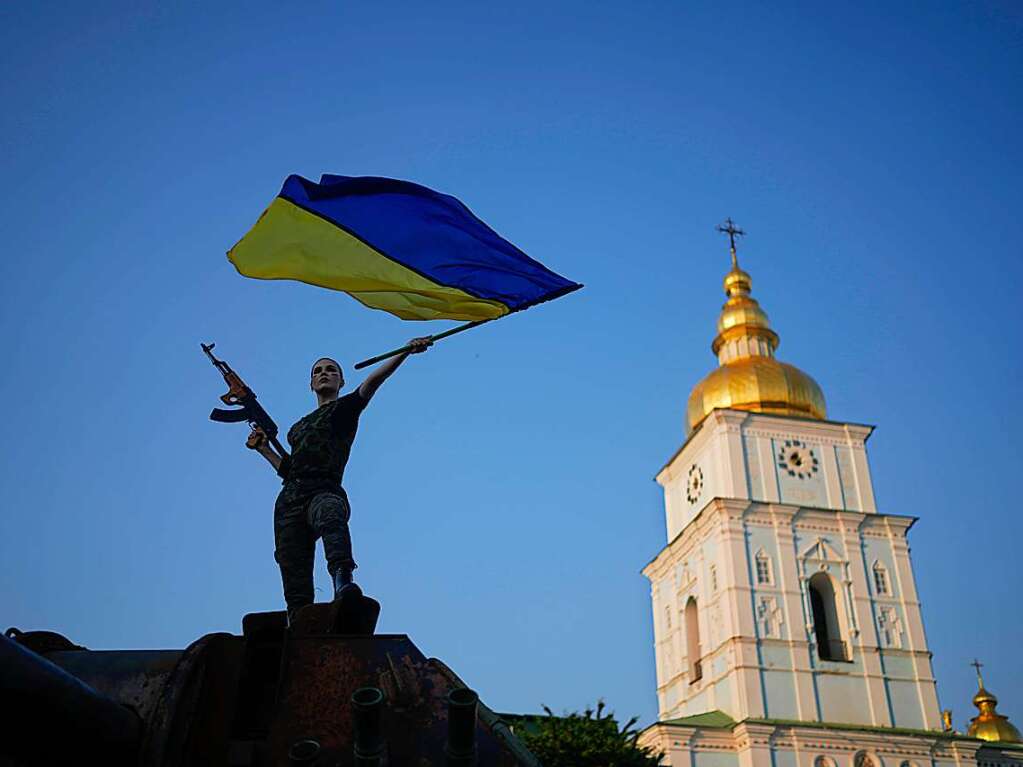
(753, 744)
(792, 606)
(729, 423)
(863, 634)
(857, 436)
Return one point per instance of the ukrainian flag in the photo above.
(395, 246)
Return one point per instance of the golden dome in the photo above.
(749, 377)
(989, 724)
(757, 384)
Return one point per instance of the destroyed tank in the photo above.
(326, 691)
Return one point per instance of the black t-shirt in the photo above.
(322, 441)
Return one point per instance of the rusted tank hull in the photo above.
(268, 697)
(320, 674)
(50, 715)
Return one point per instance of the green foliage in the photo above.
(590, 739)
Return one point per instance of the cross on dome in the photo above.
(732, 231)
(977, 665)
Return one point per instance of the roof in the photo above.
(717, 719)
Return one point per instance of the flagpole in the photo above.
(439, 336)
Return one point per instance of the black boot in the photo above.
(343, 583)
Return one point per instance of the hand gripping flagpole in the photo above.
(437, 337)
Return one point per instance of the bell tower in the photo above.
(782, 592)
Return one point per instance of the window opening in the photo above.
(763, 563)
(826, 628)
(693, 641)
(880, 579)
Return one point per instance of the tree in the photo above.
(590, 739)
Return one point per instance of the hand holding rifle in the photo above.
(258, 441)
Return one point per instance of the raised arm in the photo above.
(383, 371)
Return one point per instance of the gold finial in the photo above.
(989, 724)
(731, 230)
(946, 720)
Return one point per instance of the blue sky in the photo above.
(501, 484)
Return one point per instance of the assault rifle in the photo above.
(239, 393)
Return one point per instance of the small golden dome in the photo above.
(749, 377)
(1000, 730)
(737, 281)
(983, 696)
(989, 724)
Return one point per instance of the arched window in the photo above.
(826, 625)
(823, 761)
(881, 585)
(693, 641)
(863, 759)
(763, 563)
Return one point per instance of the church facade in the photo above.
(787, 627)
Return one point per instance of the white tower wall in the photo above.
(796, 496)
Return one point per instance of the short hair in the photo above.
(340, 369)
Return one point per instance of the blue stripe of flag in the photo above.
(431, 233)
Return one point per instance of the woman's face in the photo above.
(326, 376)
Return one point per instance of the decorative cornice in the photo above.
(880, 739)
(767, 514)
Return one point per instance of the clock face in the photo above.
(694, 485)
(798, 459)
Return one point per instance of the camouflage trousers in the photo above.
(299, 519)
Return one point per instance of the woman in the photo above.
(313, 504)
